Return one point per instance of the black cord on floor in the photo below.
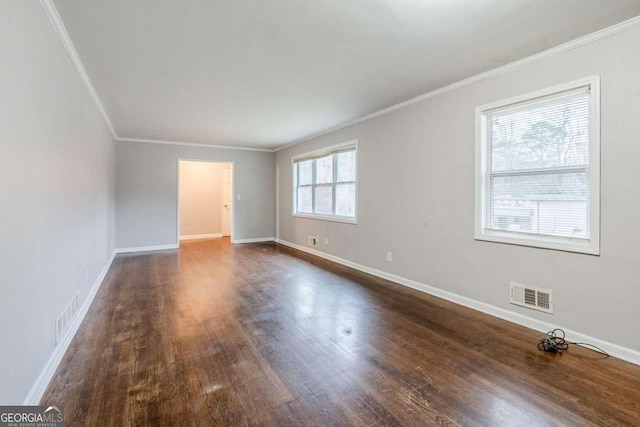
(555, 342)
(591, 347)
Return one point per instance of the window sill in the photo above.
(581, 246)
(328, 218)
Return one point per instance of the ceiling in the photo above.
(265, 73)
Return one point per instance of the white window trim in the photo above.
(318, 153)
(590, 246)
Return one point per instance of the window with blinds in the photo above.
(538, 169)
(325, 183)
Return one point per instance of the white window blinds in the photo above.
(325, 183)
(537, 170)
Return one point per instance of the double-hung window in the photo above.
(325, 183)
(538, 169)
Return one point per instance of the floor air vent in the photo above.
(530, 297)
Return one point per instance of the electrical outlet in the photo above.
(389, 256)
(312, 240)
(326, 241)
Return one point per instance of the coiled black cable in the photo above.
(555, 342)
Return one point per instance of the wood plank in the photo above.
(259, 334)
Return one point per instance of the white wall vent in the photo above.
(64, 319)
(531, 297)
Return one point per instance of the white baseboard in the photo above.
(42, 382)
(200, 236)
(257, 240)
(146, 248)
(616, 350)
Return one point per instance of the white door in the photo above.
(227, 200)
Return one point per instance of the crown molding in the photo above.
(65, 39)
(556, 50)
(63, 35)
(193, 144)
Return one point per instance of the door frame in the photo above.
(224, 212)
(233, 193)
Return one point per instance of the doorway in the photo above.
(227, 199)
(205, 200)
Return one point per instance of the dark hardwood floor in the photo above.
(260, 334)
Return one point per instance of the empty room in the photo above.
(310, 213)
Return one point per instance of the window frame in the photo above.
(589, 246)
(327, 151)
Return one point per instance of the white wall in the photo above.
(147, 185)
(200, 198)
(57, 192)
(416, 198)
